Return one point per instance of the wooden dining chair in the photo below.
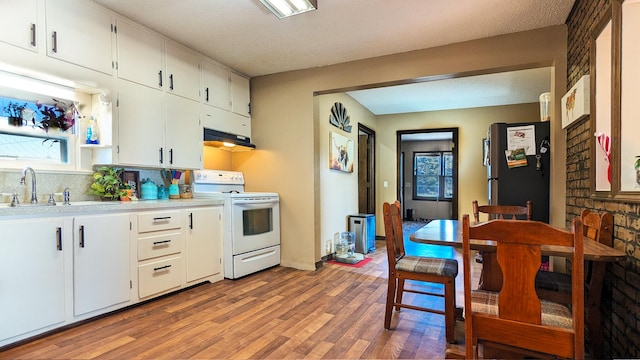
(515, 317)
(556, 286)
(502, 211)
(404, 267)
(498, 212)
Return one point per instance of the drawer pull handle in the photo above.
(161, 242)
(162, 218)
(161, 268)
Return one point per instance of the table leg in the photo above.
(491, 278)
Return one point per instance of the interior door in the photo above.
(366, 170)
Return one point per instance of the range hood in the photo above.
(227, 141)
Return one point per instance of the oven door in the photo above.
(255, 223)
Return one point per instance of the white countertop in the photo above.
(88, 207)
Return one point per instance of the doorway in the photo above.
(427, 173)
(366, 170)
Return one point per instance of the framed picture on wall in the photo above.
(132, 178)
(341, 153)
(601, 85)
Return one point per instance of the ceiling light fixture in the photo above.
(286, 8)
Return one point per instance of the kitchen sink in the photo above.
(58, 204)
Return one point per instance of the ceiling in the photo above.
(245, 36)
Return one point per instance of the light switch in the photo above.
(385, 184)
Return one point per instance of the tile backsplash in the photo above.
(55, 182)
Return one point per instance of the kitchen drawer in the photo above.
(160, 220)
(160, 244)
(158, 276)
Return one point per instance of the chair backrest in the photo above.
(597, 227)
(393, 232)
(518, 321)
(502, 211)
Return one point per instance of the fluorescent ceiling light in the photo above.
(285, 8)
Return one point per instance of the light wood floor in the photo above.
(336, 312)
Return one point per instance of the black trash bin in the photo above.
(409, 214)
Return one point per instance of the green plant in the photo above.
(14, 109)
(107, 183)
(637, 164)
(60, 115)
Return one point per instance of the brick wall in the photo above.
(621, 293)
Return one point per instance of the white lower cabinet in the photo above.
(160, 246)
(32, 275)
(101, 273)
(203, 242)
(159, 275)
(55, 271)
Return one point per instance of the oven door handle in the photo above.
(254, 203)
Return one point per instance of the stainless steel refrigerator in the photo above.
(517, 157)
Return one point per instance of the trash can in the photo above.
(409, 215)
(364, 227)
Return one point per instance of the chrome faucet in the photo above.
(34, 196)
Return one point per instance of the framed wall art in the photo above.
(601, 87)
(132, 178)
(341, 154)
(630, 88)
(576, 102)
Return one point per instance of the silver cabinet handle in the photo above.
(33, 34)
(59, 238)
(162, 218)
(54, 42)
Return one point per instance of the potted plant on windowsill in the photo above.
(107, 183)
(13, 112)
(59, 116)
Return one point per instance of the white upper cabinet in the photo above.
(216, 85)
(184, 134)
(240, 95)
(183, 72)
(140, 54)
(156, 129)
(19, 26)
(140, 125)
(79, 33)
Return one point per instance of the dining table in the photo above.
(447, 232)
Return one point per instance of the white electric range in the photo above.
(251, 220)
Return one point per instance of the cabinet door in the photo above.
(101, 273)
(240, 95)
(32, 277)
(204, 242)
(140, 125)
(79, 33)
(184, 134)
(139, 55)
(19, 26)
(215, 85)
(183, 73)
